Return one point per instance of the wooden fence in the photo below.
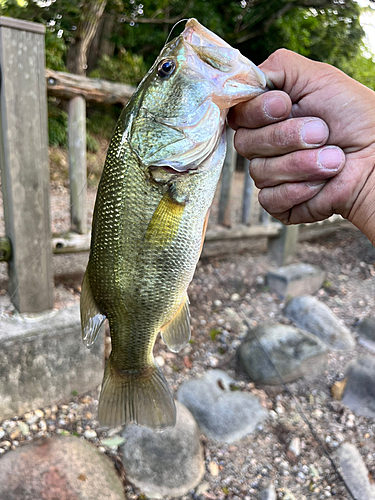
(28, 244)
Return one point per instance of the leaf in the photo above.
(114, 441)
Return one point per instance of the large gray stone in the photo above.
(317, 318)
(43, 359)
(366, 332)
(295, 279)
(164, 463)
(359, 393)
(295, 353)
(223, 415)
(355, 472)
(59, 468)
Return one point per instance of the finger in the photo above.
(303, 165)
(281, 138)
(279, 199)
(263, 110)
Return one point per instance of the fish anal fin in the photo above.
(91, 318)
(138, 396)
(176, 333)
(165, 222)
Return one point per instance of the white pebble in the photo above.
(160, 360)
(90, 434)
(234, 297)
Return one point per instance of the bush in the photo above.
(57, 126)
(123, 68)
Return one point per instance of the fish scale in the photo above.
(158, 183)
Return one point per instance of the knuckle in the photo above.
(256, 168)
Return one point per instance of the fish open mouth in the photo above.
(217, 53)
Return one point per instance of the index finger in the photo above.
(267, 108)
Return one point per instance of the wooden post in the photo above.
(247, 195)
(24, 163)
(226, 180)
(77, 164)
(282, 249)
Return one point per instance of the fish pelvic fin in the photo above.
(91, 318)
(138, 396)
(176, 333)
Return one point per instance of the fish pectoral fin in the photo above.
(165, 222)
(139, 396)
(176, 333)
(91, 318)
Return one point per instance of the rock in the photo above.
(295, 446)
(41, 361)
(337, 389)
(317, 318)
(359, 393)
(66, 467)
(223, 415)
(355, 472)
(213, 468)
(90, 434)
(294, 352)
(294, 280)
(269, 493)
(366, 332)
(164, 463)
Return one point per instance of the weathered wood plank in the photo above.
(24, 164)
(77, 164)
(282, 248)
(224, 216)
(67, 86)
(73, 242)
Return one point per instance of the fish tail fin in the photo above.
(139, 396)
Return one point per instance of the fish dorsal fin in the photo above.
(91, 318)
(176, 333)
(165, 222)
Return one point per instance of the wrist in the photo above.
(362, 214)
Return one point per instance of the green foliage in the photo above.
(92, 144)
(123, 68)
(361, 68)
(101, 120)
(214, 333)
(55, 51)
(57, 126)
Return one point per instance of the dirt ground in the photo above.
(223, 293)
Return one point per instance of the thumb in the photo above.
(292, 73)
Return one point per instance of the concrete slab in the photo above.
(295, 279)
(43, 360)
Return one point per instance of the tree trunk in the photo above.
(101, 44)
(92, 11)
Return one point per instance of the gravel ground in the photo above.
(224, 292)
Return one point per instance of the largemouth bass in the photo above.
(159, 179)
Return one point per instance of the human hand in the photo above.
(311, 144)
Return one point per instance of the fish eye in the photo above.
(166, 68)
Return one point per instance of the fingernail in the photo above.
(275, 107)
(331, 158)
(314, 132)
